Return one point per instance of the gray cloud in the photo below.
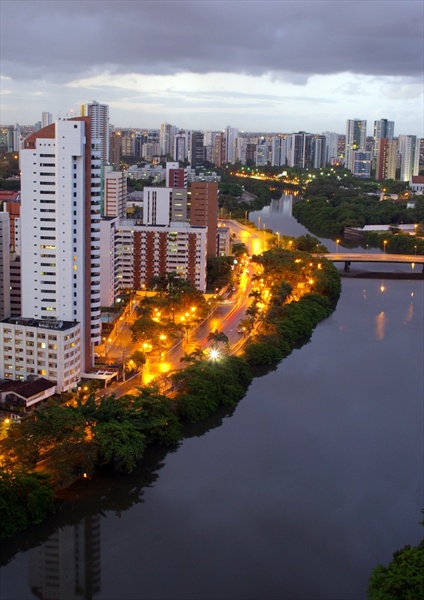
(62, 40)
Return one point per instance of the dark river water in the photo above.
(314, 478)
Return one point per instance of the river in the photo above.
(297, 494)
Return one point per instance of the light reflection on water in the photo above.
(381, 321)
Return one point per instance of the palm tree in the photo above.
(195, 356)
(217, 337)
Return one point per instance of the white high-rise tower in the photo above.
(60, 256)
(100, 128)
(409, 150)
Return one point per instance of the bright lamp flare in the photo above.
(214, 354)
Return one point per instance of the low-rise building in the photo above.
(18, 398)
(44, 348)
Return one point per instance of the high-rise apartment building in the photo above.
(383, 129)
(166, 139)
(128, 143)
(319, 151)
(240, 145)
(60, 263)
(204, 211)
(362, 164)
(114, 193)
(300, 148)
(261, 156)
(356, 132)
(409, 150)
(46, 119)
(4, 265)
(219, 146)
(386, 159)
(115, 148)
(100, 134)
(180, 153)
(331, 147)
(231, 134)
(208, 142)
(278, 151)
(197, 152)
(143, 252)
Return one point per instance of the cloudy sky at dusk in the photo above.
(203, 64)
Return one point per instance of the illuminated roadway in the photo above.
(225, 318)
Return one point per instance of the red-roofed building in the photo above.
(18, 398)
(417, 184)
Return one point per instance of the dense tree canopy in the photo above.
(402, 579)
(330, 206)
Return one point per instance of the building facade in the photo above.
(40, 348)
(386, 154)
(114, 192)
(144, 252)
(203, 211)
(60, 252)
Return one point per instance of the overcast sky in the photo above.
(204, 64)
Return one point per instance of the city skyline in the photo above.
(273, 67)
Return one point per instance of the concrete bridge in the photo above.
(366, 257)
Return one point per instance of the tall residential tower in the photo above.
(60, 257)
(356, 132)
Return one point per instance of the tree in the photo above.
(119, 443)
(219, 271)
(139, 359)
(239, 249)
(217, 337)
(194, 356)
(25, 499)
(262, 354)
(402, 579)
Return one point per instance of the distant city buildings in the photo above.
(69, 246)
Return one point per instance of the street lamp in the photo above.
(214, 354)
(337, 246)
(385, 243)
(162, 338)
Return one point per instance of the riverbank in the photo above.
(296, 291)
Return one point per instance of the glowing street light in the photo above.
(213, 353)
(337, 246)
(385, 244)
